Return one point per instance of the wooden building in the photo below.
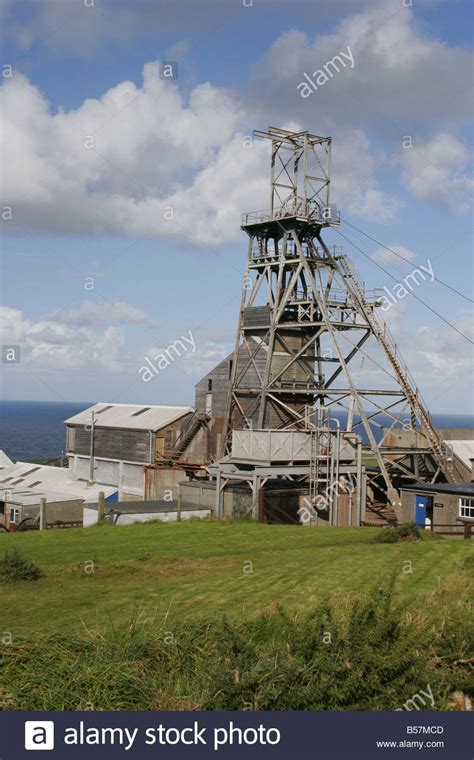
(211, 395)
(444, 508)
(123, 439)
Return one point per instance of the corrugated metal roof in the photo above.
(27, 483)
(130, 416)
(459, 489)
(32, 498)
(464, 450)
(5, 460)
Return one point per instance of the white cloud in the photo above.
(438, 171)
(400, 76)
(354, 186)
(196, 363)
(387, 257)
(147, 161)
(442, 362)
(81, 27)
(377, 206)
(108, 168)
(439, 358)
(208, 354)
(49, 344)
(400, 83)
(104, 311)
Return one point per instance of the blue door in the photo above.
(420, 510)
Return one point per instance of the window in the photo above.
(36, 483)
(209, 385)
(14, 515)
(71, 438)
(104, 409)
(466, 508)
(140, 411)
(28, 472)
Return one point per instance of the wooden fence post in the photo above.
(261, 504)
(42, 514)
(178, 506)
(101, 507)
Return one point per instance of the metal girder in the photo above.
(295, 345)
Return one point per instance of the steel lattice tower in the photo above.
(310, 337)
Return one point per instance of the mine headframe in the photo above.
(310, 336)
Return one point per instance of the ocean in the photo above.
(35, 429)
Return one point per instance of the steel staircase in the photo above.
(404, 377)
(187, 435)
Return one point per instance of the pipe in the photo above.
(359, 483)
(91, 452)
(335, 467)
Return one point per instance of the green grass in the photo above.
(181, 579)
(197, 569)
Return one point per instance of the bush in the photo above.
(370, 657)
(408, 530)
(386, 536)
(392, 535)
(369, 661)
(15, 567)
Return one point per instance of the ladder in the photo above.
(407, 382)
(321, 464)
(314, 465)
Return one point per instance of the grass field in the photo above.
(195, 570)
(176, 576)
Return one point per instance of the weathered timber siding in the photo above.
(219, 377)
(112, 443)
(123, 445)
(445, 511)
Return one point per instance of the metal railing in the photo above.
(373, 296)
(305, 210)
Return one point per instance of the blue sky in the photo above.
(80, 72)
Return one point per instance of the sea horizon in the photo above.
(35, 429)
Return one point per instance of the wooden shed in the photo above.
(122, 438)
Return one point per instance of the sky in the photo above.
(123, 189)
